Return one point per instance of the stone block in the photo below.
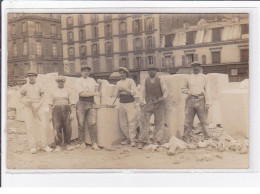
(234, 105)
(108, 129)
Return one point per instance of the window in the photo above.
(150, 60)
(53, 30)
(149, 24)
(203, 59)
(40, 68)
(108, 17)
(15, 49)
(71, 53)
(216, 34)
(189, 59)
(138, 44)
(95, 65)
(244, 29)
(26, 67)
(95, 32)
(109, 64)
(244, 55)
(108, 30)
(137, 25)
(94, 17)
(123, 62)
(13, 29)
(123, 45)
(81, 35)
(234, 72)
(138, 62)
(109, 48)
(24, 27)
(55, 67)
(167, 61)
(149, 43)
(25, 52)
(190, 37)
(122, 28)
(69, 22)
(38, 29)
(169, 40)
(54, 50)
(38, 49)
(215, 57)
(70, 36)
(82, 50)
(95, 49)
(81, 20)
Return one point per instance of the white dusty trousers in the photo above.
(35, 129)
(128, 120)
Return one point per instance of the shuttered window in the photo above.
(215, 57)
(244, 55)
(216, 34)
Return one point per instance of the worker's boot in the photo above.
(205, 133)
(95, 147)
(186, 136)
(47, 149)
(133, 144)
(127, 141)
(140, 145)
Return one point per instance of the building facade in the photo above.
(34, 42)
(221, 47)
(108, 41)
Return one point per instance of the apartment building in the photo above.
(108, 41)
(221, 46)
(34, 42)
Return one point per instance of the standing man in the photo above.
(86, 88)
(32, 96)
(153, 93)
(62, 107)
(125, 91)
(197, 102)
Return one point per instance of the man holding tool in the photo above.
(153, 93)
(86, 87)
(62, 106)
(125, 91)
(32, 96)
(197, 102)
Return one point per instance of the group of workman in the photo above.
(152, 97)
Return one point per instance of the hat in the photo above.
(123, 69)
(60, 78)
(152, 67)
(85, 67)
(31, 72)
(195, 64)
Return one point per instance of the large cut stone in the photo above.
(108, 129)
(234, 105)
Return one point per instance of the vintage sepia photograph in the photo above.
(127, 91)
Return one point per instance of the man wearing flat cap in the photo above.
(197, 102)
(125, 91)
(32, 97)
(62, 106)
(153, 93)
(86, 88)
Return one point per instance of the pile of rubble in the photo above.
(220, 141)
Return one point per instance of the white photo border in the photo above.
(174, 177)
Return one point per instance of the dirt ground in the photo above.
(123, 157)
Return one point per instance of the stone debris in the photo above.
(14, 130)
(151, 148)
(110, 148)
(220, 156)
(166, 146)
(205, 157)
(192, 146)
(203, 144)
(125, 151)
(176, 146)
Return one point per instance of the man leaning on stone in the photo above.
(86, 88)
(197, 102)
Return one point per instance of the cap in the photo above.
(31, 72)
(195, 64)
(60, 78)
(85, 67)
(152, 67)
(123, 69)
